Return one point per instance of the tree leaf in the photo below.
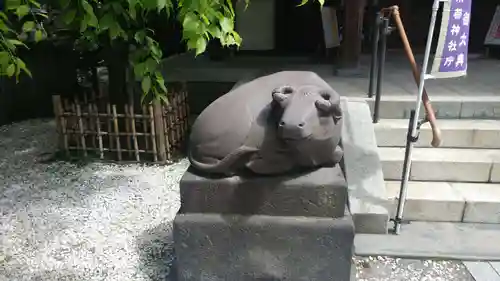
(201, 45)
(139, 36)
(16, 42)
(22, 11)
(160, 81)
(156, 51)
(10, 70)
(115, 30)
(106, 21)
(12, 4)
(151, 65)
(4, 58)
(139, 70)
(149, 4)
(146, 84)
(22, 66)
(64, 3)
(191, 22)
(38, 35)
(302, 3)
(3, 16)
(215, 31)
(92, 20)
(87, 7)
(89, 17)
(34, 3)
(83, 25)
(237, 38)
(163, 97)
(161, 4)
(68, 16)
(226, 24)
(4, 27)
(28, 26)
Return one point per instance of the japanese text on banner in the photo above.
(454, 53)
(453, 43)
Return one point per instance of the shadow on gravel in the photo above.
(156, 253)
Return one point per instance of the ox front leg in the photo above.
(338, 154)
(271, 164)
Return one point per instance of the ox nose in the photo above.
(292, 131)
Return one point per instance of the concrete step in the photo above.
(447, 202)
(455, 133)
(443, 164)
(445, 107)
(439, 240)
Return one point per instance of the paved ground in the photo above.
(394, 269)
(439, 240)
(484, 271)
(482, 78)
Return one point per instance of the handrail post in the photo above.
(384, 31)
(375, 43)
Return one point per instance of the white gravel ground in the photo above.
(62, 221)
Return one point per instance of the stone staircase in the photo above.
(460, 180)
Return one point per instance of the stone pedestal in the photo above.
(264, 228)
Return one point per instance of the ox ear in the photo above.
(280, 95)
(325, 95)
(330, 95)
(332, 109)
(324, 105)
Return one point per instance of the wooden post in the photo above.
(99, 134)
(75, 126)
(351, 45)
(117, 134)
(185, 105)
(134, 133)
(91, 125)
(177, 124)
(110, 126)
(167, 130)
(128, 117)
(152, 133)
(159, 130)
(81, 129)
(145, 120)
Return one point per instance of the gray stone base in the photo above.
(318, 193)
(263, 248)
(363, 170)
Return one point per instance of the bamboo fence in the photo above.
(153, 133)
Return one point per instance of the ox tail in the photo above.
(224, 166)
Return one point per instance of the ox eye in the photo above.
(326, 96)
(287, 90)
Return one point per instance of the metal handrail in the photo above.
(379, 49)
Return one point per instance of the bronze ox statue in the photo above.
(271, 125)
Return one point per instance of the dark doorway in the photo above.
(416, 19)
(298, 28)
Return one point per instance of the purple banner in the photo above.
(453, 43)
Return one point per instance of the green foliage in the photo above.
(110, 23)
(26, 14)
